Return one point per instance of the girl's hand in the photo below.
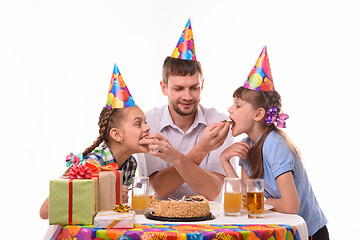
(239, 149)
(124, 193)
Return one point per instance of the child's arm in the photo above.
(289, 201)
(239, 149)
(125, 192)
(244, 178)
(44, 210)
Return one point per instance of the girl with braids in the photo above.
(120, 131)
(268, 153)
(121, 126)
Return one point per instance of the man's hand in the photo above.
(213, 136)
(160, 147)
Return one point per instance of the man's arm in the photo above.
(169, 179)
(186, 168)
(200, 180)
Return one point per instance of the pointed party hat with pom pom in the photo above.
(185, 48)
(119, 95)
(260, 78)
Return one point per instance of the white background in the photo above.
(56, 60)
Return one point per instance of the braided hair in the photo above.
(108, 119)
(264, 100)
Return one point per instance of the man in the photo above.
(184, 133)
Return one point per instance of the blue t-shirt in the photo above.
(278, 159)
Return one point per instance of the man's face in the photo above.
(183, 93)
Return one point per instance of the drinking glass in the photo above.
(232, 196)
(255, 198)
(140, 195)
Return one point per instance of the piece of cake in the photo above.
(243, 202)
(226, 121)
(152, 200)
(194, 206)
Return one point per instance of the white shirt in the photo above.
(159, 120)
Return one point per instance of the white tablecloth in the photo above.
(270, 217)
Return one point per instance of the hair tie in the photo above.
(274, 117)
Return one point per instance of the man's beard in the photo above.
(180, 112)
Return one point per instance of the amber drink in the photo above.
(140, 203)
(232, 196)
(255, 204)
(140, 195)
(255, 198)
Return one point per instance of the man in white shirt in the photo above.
(186, 139)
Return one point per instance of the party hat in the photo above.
(119, 95)
(260, 78)
(185, 48)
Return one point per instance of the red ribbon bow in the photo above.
(79, 172)
(95, 168)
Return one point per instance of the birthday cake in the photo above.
(187, 207)
(152, 200)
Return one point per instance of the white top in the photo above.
(159, 120)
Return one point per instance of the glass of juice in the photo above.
(255, 198)
(140, 195)
(232, 196)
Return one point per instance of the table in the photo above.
(272, 226)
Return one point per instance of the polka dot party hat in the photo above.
(185, 48)
(260, 78)
(119, 95)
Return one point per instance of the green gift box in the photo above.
(73, 201)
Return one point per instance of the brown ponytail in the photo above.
(264, 100)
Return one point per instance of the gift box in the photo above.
(111, 219)
(73, 201)
(110, 183)
(110, 189)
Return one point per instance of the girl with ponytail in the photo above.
(268, 153)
